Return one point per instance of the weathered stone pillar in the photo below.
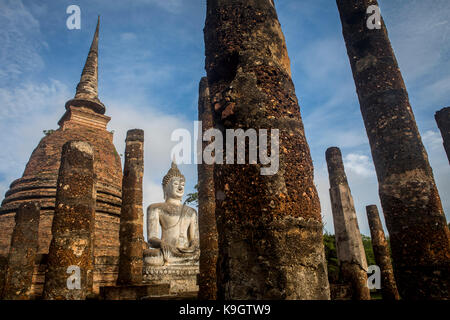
(131, 216)
(350, 249)
(269, 223)
(71, 248)
(3, 266)
(382, 254)
(22, 253)
(206, 206)
(443, 121)
(420, 239)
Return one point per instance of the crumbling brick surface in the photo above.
(382, 254)
(22, 254)
(132, 216)
(350, 249)
(420, 239)
(206, 206)
(270, 229)
(3, 266)
(73, 225)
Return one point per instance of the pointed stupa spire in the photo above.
(87, 88)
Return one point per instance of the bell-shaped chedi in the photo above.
(83, 120)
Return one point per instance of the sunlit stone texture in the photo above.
(132, 216)
(420, 239)
(350, 248)
(72, 244)
(269, 226)
(206, 206)
(382, 254)
(22, 253)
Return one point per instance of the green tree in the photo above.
(192, 198)
(329, 242)
(367, 243)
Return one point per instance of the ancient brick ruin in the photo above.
(420, 238)
(72, 244)
(270, 228)
(255, 236)
(350, 249)
(382, 254)
(206, 206)
(131, 233)
(84, 120)
(22, 254)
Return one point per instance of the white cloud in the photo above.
(20, 39)
(30, 98)
(359, 164)
(432, 140)
(363, 185)
(320, 62)
(128, 36)
(158, 127)
(26, 111)
(419, 31)
(343, 138)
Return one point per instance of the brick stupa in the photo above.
(84, 120)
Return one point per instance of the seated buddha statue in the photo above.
(172, 229)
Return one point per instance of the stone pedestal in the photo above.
(135, 292)
(22, 254)
(420, 238)
(181, 278)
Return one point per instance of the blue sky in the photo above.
(152, 58)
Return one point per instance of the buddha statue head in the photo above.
(173, 183)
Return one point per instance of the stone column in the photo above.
(443, 121)
(349, 245)
(269, 223)
(420, 239)
(3, 266)
(382, 254)
(206, 206)
(22, 253)
(70, 257)
(131, 217)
